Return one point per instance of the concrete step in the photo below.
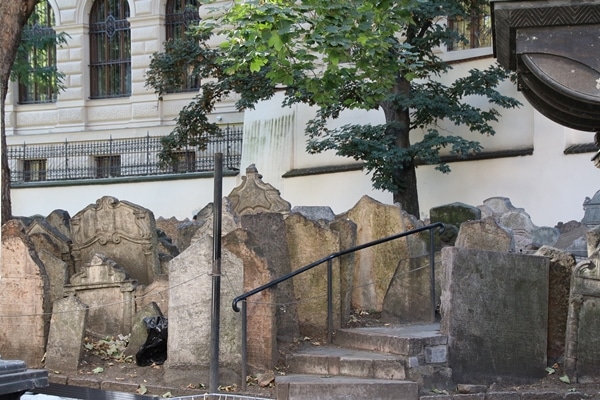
(334, 360)
(406, 340)
(314, 387)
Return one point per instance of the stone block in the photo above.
(436, 354)
(494, 311)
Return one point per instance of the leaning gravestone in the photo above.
(453, 215)
(122, 231)
(24, 298)
(494, 311)
(485, 235)
(67, 329)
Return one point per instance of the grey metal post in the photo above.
(213, 385)
(432, 271)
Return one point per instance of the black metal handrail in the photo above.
(329, 260)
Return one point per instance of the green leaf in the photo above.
(565, 379)
(275, 41)
(98, 370)
(142, 389)
(550, 370)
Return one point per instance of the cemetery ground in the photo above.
(103, 361)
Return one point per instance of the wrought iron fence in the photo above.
(115, 158)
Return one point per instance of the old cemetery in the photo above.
(506, 299)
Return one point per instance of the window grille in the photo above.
(118, 158)
(477, 29)
(110, 49)
(40, 84)
(185, 161)
(34, 170)
(180, 15)
(108, 166)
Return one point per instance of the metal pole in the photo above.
(244, 344)
(329, 301)
(432, 272)
(213, 385)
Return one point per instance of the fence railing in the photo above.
(116, 158)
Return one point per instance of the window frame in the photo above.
(110, 49)
(471, 29)
(107, 166)
(35, 175)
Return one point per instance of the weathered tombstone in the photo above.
(253, 196)
(315, 213)
(453, 215)
(307, 243)
(494, 311)
(261, 308)
(582, 353)
(45, 237)
(500, 205)
(156, 292)
(61, 221)
(122, 231)
(67, 330)
(485, 235)
(169, 227)
(229, 220)
(519, 222)
(58, 274)
(190, 300)
(270, 232)
(544, 236)
(559, 283)
(572, 238)
(591, 208)
(346, 230)
(24, 298)
(107, 289)
(375, 266)
(139, 330)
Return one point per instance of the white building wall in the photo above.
(549, 185)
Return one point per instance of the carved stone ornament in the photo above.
(254, 196)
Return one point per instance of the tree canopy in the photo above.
(342, 55)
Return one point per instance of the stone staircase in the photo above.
(389, 362)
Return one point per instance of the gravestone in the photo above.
(261, 308)
(67, 330)
(453, 215)
(346, 230)
(253, 196)
(375, 266)
(122, 231)
(45, 237)
(307, 243)
(190, 305)
(591, 207)
(61, 221)
(485, 235)
(269, 229)
(315, 213)
(109, 292)
(559, 283)
(582, 354)
(24, 298)
(500, 205)
(572, 238)
(58, 274)
(494, 310)
(519, 222)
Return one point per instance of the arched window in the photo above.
(180, 15)
(110, 49)
(38, 83)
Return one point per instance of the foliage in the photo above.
(343, 55)
(35, 55)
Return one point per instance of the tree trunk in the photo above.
(405, 176)
(14, 16)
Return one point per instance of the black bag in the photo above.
(154, 351)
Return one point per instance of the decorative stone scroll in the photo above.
(122, 231)
(254, 196)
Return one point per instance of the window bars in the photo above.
(118, 158)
